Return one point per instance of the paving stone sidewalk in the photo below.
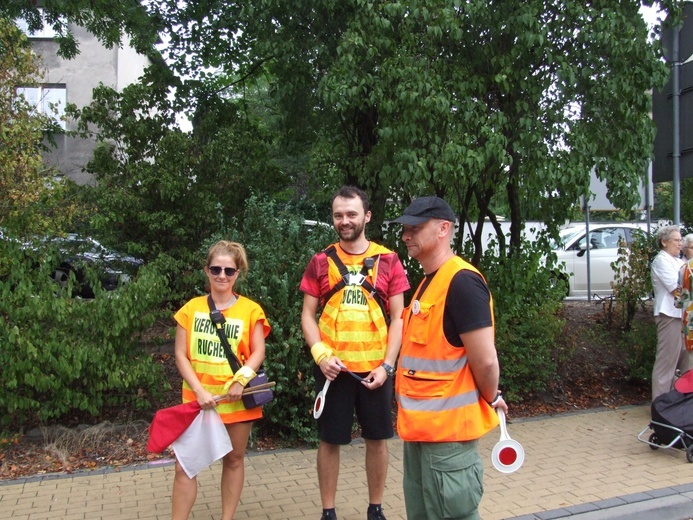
(574, 463)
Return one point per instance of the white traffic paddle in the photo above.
(507, 455)
(319, 405)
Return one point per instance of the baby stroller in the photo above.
(672, 418)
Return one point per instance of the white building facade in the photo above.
(72, 81)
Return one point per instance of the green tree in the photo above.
(160, 187)
(686, 203)
(160, 190)
(32, 200)
(110, 21)
(491, 104)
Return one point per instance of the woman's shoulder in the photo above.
(661, 256)
(244, 300)
(195, 302)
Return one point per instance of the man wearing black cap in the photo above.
(447, 379)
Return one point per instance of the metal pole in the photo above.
(676, 144)
(588, 246)
(648, 202)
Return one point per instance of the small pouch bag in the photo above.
(251, 398)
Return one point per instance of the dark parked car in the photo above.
(78, 253)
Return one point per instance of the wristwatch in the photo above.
(390, 370)
(499, 395)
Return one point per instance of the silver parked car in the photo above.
(571, 251)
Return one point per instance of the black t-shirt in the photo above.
(466, 305)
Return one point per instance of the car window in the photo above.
(580, 244)
(602, 238)
(566, 236)
(613, 237)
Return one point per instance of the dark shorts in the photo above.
(346, 395)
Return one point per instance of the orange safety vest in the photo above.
(685, 302)
(352, 323)
(438, 400)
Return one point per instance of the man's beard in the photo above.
(351, 235)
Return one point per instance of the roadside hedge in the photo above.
(64, 356)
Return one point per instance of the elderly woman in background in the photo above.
(665, 282)
(687, 246)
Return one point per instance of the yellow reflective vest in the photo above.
(352, 323)
(206, 352)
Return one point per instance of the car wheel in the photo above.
(61, 277)
(559, 282)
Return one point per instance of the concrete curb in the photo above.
(671, 503)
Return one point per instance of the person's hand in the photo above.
(331, 367)
(235, 391)
(375, 379)
(500, 403)
(205, 399)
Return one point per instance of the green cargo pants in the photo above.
(442, 480)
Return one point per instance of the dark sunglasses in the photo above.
(228, 271)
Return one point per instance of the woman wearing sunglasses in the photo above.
(206, 372)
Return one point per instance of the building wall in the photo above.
(95, 64)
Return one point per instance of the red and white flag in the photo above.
(204, 442)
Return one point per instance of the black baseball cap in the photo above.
(423, 209)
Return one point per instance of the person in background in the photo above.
(206, 372)
(360, 286)
(446, 384)
(665, 282)
(687, 246)
(685, 300)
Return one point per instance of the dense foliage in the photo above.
(632, 287)
(632, 282)
(498, 106)
(528, 324)
(66, 357)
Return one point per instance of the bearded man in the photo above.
(359, 287)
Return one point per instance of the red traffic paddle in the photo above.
(507, 455)
(319, 405)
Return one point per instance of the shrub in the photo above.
(632, 281)
(638, 346)
(632, 285)
(528, 324)
(67, 356)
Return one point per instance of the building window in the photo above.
(47, 99)
(46, 31)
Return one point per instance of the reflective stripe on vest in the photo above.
(440, 404)
(438, 400)
(432, 365)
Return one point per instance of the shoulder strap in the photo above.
(218, 319)
(368, 264)
(331, 253)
